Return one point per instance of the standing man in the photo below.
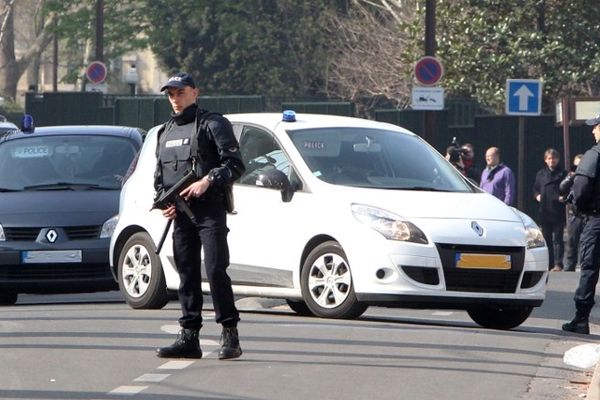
(586, 197)
(215, 159)
(551, 207)
(497, 178)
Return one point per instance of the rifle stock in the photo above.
(172, 196)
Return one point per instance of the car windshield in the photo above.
(72, 162)
(376, 158)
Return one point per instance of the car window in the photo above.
(261, 153)
(375, 158)
(43, 161)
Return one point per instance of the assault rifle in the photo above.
(172, 196)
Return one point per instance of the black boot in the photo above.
(230, 344)
(187, 345)
(579, 324)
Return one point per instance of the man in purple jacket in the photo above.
(497, 178)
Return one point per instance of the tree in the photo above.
(72, 21)
(373, 52)
(485, 42)
(268, 47)
(12, 68)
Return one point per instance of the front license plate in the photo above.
(51, 256)
(483, 261)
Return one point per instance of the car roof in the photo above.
(82, 130)
(308, 121)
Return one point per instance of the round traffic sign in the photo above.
(428, 71)
(96, 72)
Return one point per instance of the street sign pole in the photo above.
(522, 165)
(523, 98)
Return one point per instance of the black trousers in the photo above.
(589, 258)
(573, 236)
(553, 235)
(210, 234)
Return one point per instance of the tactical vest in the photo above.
(174, 152)
(590, 166)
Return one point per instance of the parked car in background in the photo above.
(335, 214)
(59, 197)
(6, 126)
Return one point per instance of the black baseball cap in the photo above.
(179, 80)
(593, 121)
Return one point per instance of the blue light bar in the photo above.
(289, 116)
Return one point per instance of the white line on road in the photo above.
(151, 378)
(128, 390)
(176, 365)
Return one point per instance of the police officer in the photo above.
(217, 162)
(586, 198)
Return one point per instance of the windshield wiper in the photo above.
(424, 188)
(63, 186)
(5, 190)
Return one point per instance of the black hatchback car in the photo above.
(59, 202)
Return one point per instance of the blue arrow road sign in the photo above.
(523, 97)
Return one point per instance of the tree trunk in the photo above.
(9, 69)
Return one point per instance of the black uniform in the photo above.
(218, 157)
(574, 225)
(551, 212)
(586, 192)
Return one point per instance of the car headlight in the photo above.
(109, 227)
(533, 232)
(390, 225)
(2, 236)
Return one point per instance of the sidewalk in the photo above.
(593, 392)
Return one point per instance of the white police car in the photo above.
(335, 214)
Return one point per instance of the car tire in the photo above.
(299, 307)
(326, 282)
(497, 317)
(141, 279)
(8, 298)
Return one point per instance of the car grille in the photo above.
(481, 280)
(73, 233)
(51, 272)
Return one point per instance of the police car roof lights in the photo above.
(289, 116)
(27, 125)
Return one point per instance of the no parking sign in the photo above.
(96, 72)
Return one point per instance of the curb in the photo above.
(593, 392)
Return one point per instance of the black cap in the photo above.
(180, 80)
(593, 121)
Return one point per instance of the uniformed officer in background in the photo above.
(217, 163)
(586, 198)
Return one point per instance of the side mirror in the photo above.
(27, 125)
(275, 179)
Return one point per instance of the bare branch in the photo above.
(8, 9)
(371, 61)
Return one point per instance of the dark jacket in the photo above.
(547, 183)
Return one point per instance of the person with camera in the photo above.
(195, 140)
(586, 198)
(551, 211)
(453, 154)
(574, 219)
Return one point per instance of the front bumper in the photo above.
(91, 273)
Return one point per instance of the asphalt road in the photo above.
(95, 347)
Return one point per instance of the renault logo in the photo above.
(51, 235)
(477, 228)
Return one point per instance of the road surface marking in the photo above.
(128, 390)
